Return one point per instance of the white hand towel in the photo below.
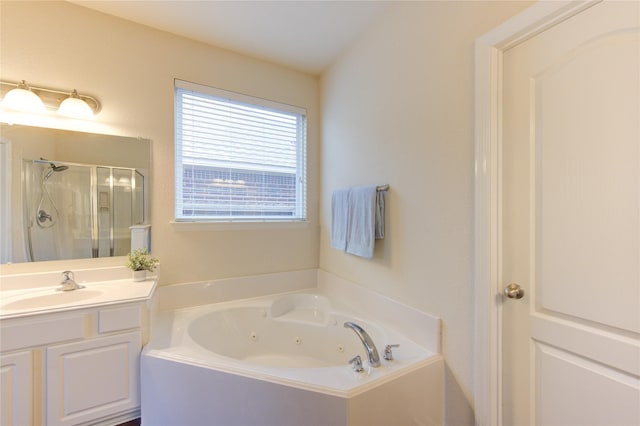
(361, 228)
(339, 218)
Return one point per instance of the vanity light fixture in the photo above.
(21, 97)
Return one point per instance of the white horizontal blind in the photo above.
(238, 157)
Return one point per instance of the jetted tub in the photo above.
(283, 360)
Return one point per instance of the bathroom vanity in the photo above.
(72, 357)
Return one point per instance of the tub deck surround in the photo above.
(282, 359)
(419, 326)
(178, 296)
(32, 294)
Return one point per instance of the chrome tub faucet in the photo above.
(372, 352)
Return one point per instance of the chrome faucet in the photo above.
(68, 282)
(372, 352)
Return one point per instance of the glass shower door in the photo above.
(104, 191)
(123, 210)
(116, 196)
(138, 198)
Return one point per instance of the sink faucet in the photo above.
(68, 282)
(372, 352)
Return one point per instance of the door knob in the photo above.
(514, 291)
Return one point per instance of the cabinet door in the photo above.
(92, 379)
(16, 378)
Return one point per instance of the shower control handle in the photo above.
(43, 216)
(357, 363)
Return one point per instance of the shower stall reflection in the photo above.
(80, 210)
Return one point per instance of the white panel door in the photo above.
(16, 389)
(571, 222)
(93, 378)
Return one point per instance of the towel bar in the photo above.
(382, 188)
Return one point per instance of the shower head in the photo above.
(54, 168)
(61, 168)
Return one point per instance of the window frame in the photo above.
(301, 201)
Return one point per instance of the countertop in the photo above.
(39, 299)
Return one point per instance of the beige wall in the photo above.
(130, 69)
(398, 109)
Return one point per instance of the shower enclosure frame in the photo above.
(137, 176)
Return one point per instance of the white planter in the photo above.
(139, 275)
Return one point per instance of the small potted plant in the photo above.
(140, 261)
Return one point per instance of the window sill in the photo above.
(237, 226)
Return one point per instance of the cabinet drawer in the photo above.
(116, 319)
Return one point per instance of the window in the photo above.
(238, 158)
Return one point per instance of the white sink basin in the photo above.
(51, 299)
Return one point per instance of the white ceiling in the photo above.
(305, 35)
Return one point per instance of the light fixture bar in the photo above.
(52, 98)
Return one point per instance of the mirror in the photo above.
(70, 195)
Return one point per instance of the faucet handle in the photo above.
(68, 275)
(388, 353)
(357, 363)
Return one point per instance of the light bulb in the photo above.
(75, 107)
(23, 99)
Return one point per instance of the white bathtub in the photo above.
(283, 360)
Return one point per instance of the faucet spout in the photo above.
(68, 282)
(372, 351)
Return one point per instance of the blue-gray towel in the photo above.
(361, 232)
(339, 218)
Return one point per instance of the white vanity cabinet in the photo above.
(80, 366)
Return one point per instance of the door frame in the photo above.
(6, 244)
(489, 50)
